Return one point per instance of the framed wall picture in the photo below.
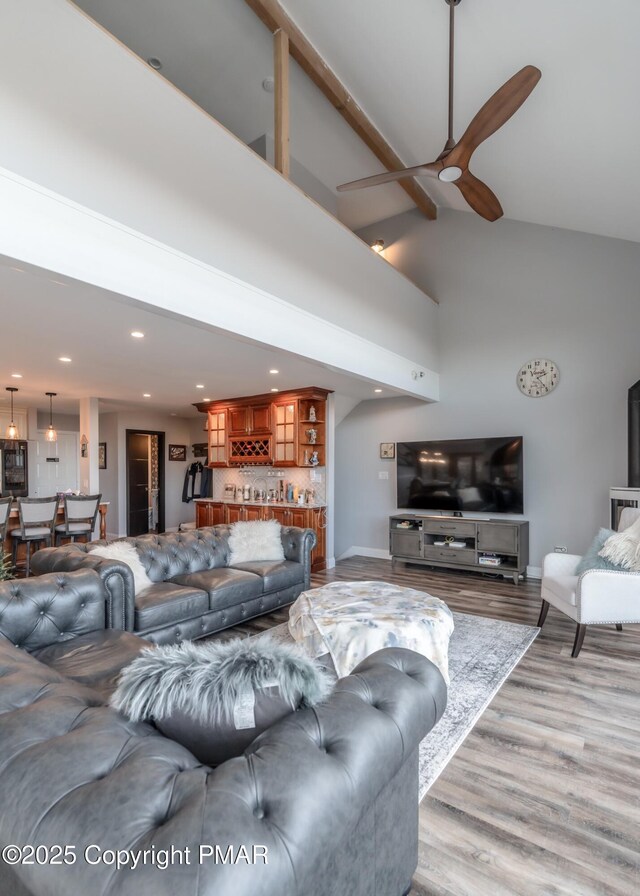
(388, 450)
(102, 455)
(177, 452)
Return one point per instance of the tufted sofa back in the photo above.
(45, 610)
(178, 553)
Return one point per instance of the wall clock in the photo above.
(538, 377)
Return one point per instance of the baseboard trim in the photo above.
(358, 551)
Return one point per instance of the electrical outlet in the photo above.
(560, 549)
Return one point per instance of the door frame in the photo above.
(161, 436)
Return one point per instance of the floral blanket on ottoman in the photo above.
(351, 620)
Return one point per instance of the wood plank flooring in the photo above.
(543, 797)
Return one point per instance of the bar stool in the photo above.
(37, 519)
(80, 512)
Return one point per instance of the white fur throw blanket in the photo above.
(256, 540)
(205, 681)
(623, 548)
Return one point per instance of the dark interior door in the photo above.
(138, 483)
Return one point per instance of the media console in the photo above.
(497, 546)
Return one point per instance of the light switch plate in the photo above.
(383, 474)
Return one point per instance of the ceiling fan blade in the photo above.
(495, 112)
(481, 199)
(431, 168)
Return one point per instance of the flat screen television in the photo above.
(481, 475)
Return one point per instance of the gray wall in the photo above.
(108, 479)
(299, 175)
(509, 292)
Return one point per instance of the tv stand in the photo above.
(497, 546)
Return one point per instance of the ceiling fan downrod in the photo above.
(452, 26)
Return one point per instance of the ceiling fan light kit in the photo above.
(452, 165)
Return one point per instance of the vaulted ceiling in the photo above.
(567, 159)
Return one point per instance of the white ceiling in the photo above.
(45, 317)
(567, 159)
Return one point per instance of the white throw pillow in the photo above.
(623, 548)
(126, 553)
(258, 540)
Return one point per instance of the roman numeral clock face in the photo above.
(538, 377)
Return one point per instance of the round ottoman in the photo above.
(351, 620)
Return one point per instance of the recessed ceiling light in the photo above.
(137, 334)
(275, 390)
(65, 360)
(199, 386)
(378, 246)
(206, 399)
(146, 395)
(377, 390)
(273, 370)
(17, 376)
(154, 62)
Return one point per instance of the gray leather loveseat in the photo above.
(195, 591)
(92, 803)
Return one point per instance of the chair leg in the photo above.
(544, 609)
(28, 563)
(14, 554)
(619, 626)
(577, 644)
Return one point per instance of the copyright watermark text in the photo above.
(206, 853)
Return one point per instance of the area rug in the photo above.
(482, 653)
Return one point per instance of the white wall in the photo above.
(509, 292)
(108, 479)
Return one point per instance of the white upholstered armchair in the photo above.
(597, 597)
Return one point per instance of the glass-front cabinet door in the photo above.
(218, 438)
(13, 469)
(285, 434)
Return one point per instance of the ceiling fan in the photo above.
(452, 165)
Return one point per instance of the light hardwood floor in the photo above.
(543, 797)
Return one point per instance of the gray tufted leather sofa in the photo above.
(331, 793)
(195, 591)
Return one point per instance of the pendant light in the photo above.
(12, 429)
(51, 435)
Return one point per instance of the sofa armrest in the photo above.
(560, 564)
(117, 578)
(608, 596)
(45, 610)
(298, 544)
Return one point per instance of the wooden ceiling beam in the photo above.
(281, 101)
(276, 19)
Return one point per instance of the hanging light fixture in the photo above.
(12, 429)
(51, 435)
